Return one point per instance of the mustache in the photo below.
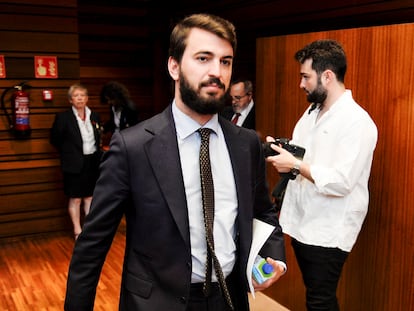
(213, 81)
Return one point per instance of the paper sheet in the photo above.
(261, 232)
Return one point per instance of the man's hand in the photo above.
(278, 269)
(284, 161)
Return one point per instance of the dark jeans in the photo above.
(321, 269)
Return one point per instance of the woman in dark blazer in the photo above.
(75, 134)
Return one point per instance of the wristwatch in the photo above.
(296, 168)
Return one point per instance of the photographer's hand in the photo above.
(284, 161)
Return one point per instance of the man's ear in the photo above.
(173, 68)
(328, 76)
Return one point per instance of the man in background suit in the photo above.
(242, 110)
(151, 175)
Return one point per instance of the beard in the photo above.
(195, 102)
(317, 96)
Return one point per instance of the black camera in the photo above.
(279, 189)
(297, 151)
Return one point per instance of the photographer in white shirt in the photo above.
(324, 207)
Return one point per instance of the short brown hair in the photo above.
(214, 24)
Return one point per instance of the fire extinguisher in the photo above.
(19, 121)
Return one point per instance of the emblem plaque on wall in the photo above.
(46, 67)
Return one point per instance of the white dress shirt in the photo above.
(339, 148)
(117, 117)
(86, 129)
(225, 196)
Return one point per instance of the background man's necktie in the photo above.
(207, 191)
(235, 118)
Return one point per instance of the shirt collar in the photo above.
(247, 109)
(186, 126)
(87, 113)
(342, 100)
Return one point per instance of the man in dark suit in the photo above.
(151, 174)
(242, 110)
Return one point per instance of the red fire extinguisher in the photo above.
(19, 122)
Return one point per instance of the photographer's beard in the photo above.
(195, 102)
(318, 95)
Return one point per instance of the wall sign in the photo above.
(45, 67)
(2, 67)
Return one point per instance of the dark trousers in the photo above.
(214, 302)
(321, 269)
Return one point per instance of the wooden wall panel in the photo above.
(115, 44)
(48, 3)
(378, 274)
(31, 224)
(32, 42)
(32, 200)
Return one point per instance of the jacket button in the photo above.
(183, 300)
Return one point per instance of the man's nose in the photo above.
(215, 69)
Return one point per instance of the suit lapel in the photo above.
(74, 127)
(238, 150)
(164, 158)
(240, 161)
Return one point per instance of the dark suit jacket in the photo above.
(141, 177)
(249, 122)
(65, 135)
(129, 117)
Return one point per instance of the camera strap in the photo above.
(279, 191)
